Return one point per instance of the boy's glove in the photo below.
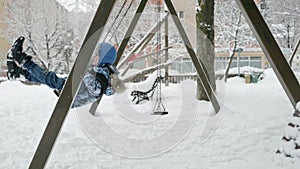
(117, 84)
(109, 91)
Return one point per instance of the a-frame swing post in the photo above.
(130, 30)
(167, 51)
(71, 86)
(123, 44)
(200, 68)
(271, 49)
(142, 44)
(294, 52)
(146, 39)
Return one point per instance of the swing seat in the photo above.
(140, 95)
(160, 113)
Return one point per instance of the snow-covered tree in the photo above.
(66, 54)
(227, 15)
(283, 18)
(43, 24)
(232, 31)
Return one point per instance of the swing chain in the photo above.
(115, 19)
(122, 18)
(159, 108)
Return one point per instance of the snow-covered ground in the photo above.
(245, 134)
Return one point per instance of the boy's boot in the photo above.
(16, 52)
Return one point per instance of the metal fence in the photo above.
(172, 78)
(180, 78)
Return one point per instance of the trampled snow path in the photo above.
(248, 132)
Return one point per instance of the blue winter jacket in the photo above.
(91, 89)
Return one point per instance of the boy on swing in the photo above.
(96, 82)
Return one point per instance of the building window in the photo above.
(244, 61)
(263, 5)
(252, 61)
(183, 66)
(139, 64)
(255, 61)
(181, 14)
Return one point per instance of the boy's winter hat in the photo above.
(107, 53)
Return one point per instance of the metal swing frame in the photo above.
(253, 17)
(200, 68)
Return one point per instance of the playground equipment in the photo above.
(159, 107)
(254, 19)
(139, 96)
(200, 68)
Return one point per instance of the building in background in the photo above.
(187, 14)
(251, 55)
(4, 43)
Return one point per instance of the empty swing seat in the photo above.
(139, 96)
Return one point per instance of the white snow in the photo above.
(244, 69)
(147, 84)
(291, 132)
(295, 120)
(245, 134)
